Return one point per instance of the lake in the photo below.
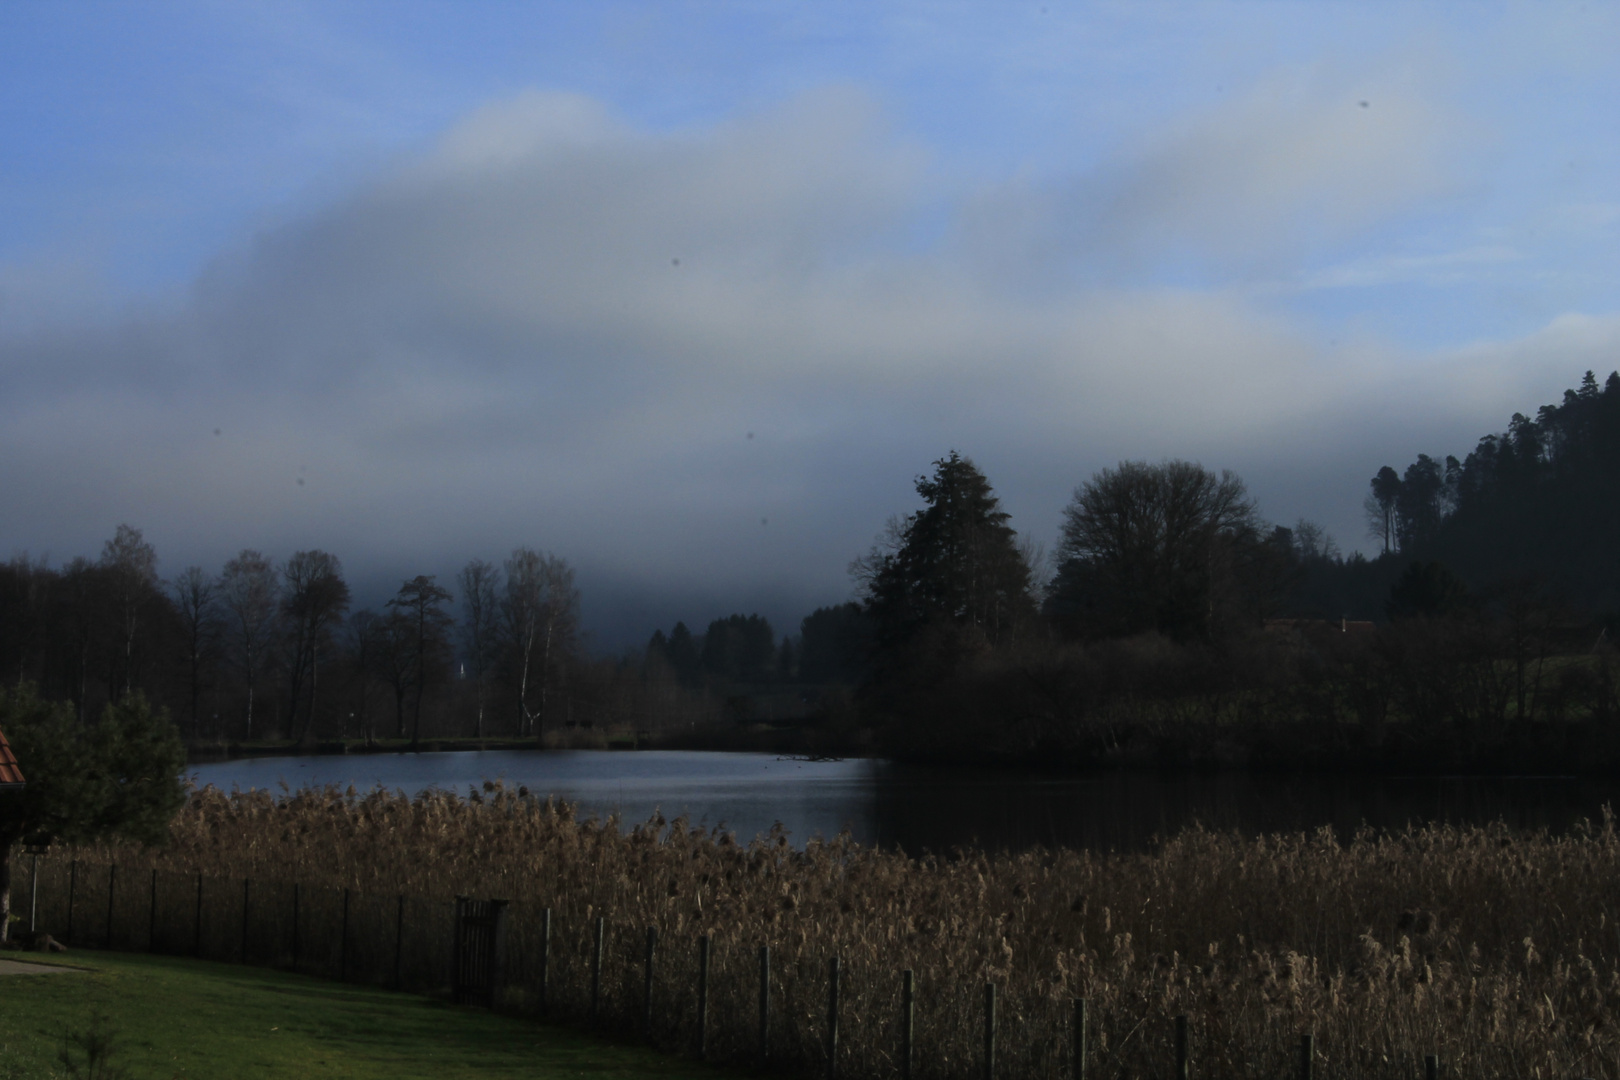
(936, 808)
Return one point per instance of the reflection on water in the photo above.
(934, 808)
(937, 809)
(747, 793)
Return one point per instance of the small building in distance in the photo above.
(1355, 627)
(11, 776)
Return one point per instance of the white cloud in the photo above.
(1444, 268)
(1305, 159)
(553, 328)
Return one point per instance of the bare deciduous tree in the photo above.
(196, 602)
(130, 566)
(480, 583)
(247, 591)
(365, 645)
(1147, 547)
(540, 620)
(315, 598)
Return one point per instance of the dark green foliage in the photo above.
(739, 648)
(835, 644)
(1540, 499)
(92, 1054)
(1426, 588)
(949, 587)
(658, 645)
(1418, 507)
(955, 562)
(683, 656)
(421, 603)
(117, 777)
(1380, 506)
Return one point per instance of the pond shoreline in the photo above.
(799, 740)
(1369, 767)
(937, 807)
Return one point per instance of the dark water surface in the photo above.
(925, 807)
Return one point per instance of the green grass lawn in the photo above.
(187, 1018)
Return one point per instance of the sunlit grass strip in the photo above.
(186, 1018)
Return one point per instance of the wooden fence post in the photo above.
(596, 968)
(73, 887)
(343, 941)
(1079, 1033)
(764, 1005)
(247, 883)
(457, 953)
(399, 941)
(1307, 1055)
(33, 892)
(832, 1018)
(1181, 1047)
(908, 1019)
(112, 882)
(647, 985)
(1431, 1067)
(989, 1031)
(151, 915)
(703, 997)
(545, 959)
(196, 925)
(295, 928)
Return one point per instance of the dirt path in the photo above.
(31, 967)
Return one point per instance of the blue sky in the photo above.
(688, 293)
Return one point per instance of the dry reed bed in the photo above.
(1499, 952)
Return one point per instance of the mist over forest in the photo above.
(1166, 584)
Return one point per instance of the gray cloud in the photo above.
(1303, 160)
(705, 366)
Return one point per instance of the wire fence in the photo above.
(732, 1003)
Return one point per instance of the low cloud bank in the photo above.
(705, 366)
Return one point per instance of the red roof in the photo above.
(10, 774)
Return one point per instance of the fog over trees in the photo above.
(1168, 584)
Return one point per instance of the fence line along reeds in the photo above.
(1497, 952)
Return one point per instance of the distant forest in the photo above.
(1178, 628)
(265, 651)
(1170, 623)
(1537, 505)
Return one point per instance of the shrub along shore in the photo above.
(1497, 952)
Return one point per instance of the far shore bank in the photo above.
(754, 738)
(1583, 748)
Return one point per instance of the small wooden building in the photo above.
(11, 776)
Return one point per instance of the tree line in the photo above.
(1173, 623)
(1165, 586)
(265, 650)
(1537, 503)
(831, 647)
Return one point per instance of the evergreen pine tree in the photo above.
(956, 561)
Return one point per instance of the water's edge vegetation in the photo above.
(1494, 950)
